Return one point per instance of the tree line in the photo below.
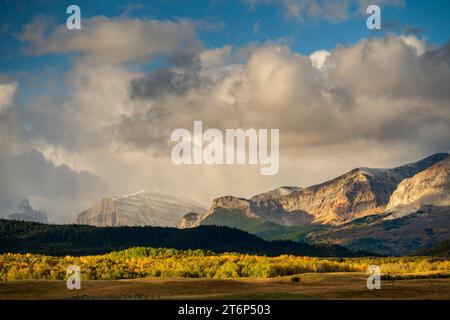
(78, 240)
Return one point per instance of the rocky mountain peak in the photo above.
(25, 212)
(139, 209)
(275, 194)
(428, 187)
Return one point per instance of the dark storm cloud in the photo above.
(144, 130)
(181, 74)
(440, 54)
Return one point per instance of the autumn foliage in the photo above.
(149, 262)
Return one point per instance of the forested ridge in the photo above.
(79, 240)
(441, 249)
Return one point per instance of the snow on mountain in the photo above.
(139, 209)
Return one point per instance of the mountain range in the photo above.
(392, 211)
(388, 211)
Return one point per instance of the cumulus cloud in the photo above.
(97, 97)
(319, 58)
(389, 86)
(390, 67)
(99, 81)
(418, 44)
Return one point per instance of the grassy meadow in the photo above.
(311, 286)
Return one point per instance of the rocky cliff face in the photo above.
(190, 220)
(356, 194)
(429, 187)
(139, 209)
(265, 207)
(345, 198)
(359, 193)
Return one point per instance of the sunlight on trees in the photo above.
(149, 262)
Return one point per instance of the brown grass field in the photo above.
(312, 286)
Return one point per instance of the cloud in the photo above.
(98, 82)
(325, 10)
(26, 173)
(319, 58)
(378, 81)
(59, 190)
(392, 67)
(334, 11)
(181, 74)
(215, 57)
(391, 90)
(413, 31)
(97, 97)
(418, 45)
(109, 39)
(7, 93)
(9, 120)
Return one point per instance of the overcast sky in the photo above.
(88, 113)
